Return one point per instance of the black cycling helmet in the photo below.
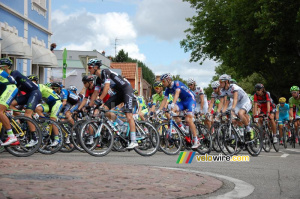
(95, 62)
(56, 84)
(88, 78)
(6, 62)
(33, 78)
(157, 84)
(259, 86)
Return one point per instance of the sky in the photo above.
(149, 30)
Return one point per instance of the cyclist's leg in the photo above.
(190, 107)
(9, 92)
(55, 110)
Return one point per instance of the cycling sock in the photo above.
(33, 135)
(195, 139)
(133, 136)
(10, 133)
(56, 137)
(248, 128)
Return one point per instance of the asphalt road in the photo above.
(270, 175)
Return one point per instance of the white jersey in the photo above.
(232, 89)
(199, 91)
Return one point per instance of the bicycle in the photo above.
(268, 135)
(20, 128)
(234, 141)
(293, 132)
(147, 136)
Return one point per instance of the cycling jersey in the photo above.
(185, 93)
(89, 93)
(23, 83)
(123, 89)
(8, 91)
(243, 101)
(283, 113)
(186, 96)
(69, 96)
(117, 82)
(232, 89)
(49, 96)
(141, 101)
(197, 92)
(157, 98)
(262, 102)
(295, 104)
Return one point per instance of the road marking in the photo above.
(295, 150)
(241, 188)
(284, 155)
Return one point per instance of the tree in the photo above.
(121, 56)
(177, 77)
(261, 36)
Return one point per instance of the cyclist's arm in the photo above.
(94, 97)
(212, 101)
(291, 112)
(221, 104)
(268, 107)
(202, 102)
(235, 98)
(177, 92)
(105, 90)
(163, 103)
(64, 102)
(83, 103)
(226, 103)
(277, 114)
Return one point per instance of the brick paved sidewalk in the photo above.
(25, 178)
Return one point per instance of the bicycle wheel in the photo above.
(227, 140)
(68, 146)
(20, 128)
(170, 143)
(293, 138)
(147, 138)
(284, 132)
(204, 138)
(46, 125)
(276, 145)
(213, 132)
(102, 138)
(75, 135)
(266, 141)
(255, 146)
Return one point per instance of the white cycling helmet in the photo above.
(224, 77)
(73, 88)
(166, 76)
(215, 84)
(191, 81)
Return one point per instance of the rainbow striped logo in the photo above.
(188, 160)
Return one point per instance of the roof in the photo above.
(128, 69)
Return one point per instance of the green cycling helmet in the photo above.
(157, 84)
(294, 88)
(48, 85)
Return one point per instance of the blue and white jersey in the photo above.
(69, 96)
(283, 110)
(185, 93)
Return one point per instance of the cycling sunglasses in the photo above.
(157, 87)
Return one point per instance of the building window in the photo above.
(39, 6)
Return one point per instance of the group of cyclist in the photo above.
(108, 89)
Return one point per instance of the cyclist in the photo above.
(159, 96)
(294, 103)
(123, 93)
(52, 104)
(282, 115)
(233, 81)
(263, 98)
(201, 99)
(142, 107)
(187, 102)
(241, 104)
(30, 97)
(8, 91)
(70, 101)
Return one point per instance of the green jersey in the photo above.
(48, 94)
(295, 103)
(157, 98)
(141, 102)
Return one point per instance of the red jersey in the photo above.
(262, 102)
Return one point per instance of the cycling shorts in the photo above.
(125, 96)
(54, 109)
(9, 92)
(31, 99)
(282, 119)
(198, 108)
(243, 104)
(189, 105)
